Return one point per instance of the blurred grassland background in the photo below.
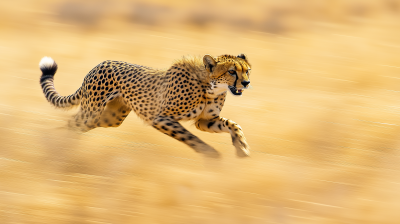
(322, 119)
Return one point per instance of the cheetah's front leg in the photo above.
(172, 128)
(220, 124)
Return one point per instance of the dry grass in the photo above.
(322, 119)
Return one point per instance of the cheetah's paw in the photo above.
(242, 148)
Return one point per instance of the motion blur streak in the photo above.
(322, 117)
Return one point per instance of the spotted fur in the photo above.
(192, 88)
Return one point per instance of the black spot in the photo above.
(210, 124)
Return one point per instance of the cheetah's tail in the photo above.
(49, 68)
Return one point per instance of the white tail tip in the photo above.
(46, 62)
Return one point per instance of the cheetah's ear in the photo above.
(242, 56)
(209, 62)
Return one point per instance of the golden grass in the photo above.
(322, 120)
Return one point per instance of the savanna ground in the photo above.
(322, 118)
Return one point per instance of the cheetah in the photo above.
(192, 88)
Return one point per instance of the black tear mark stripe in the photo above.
(234, 84)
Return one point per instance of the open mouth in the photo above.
(235, 91)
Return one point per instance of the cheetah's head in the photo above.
(228, 72)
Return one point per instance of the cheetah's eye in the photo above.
(232, 72)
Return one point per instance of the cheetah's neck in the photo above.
(194, 66)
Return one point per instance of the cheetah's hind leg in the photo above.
(109, 113)
(114, 114)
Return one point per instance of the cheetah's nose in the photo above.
(245, 83)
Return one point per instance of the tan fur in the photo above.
(193, 88)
